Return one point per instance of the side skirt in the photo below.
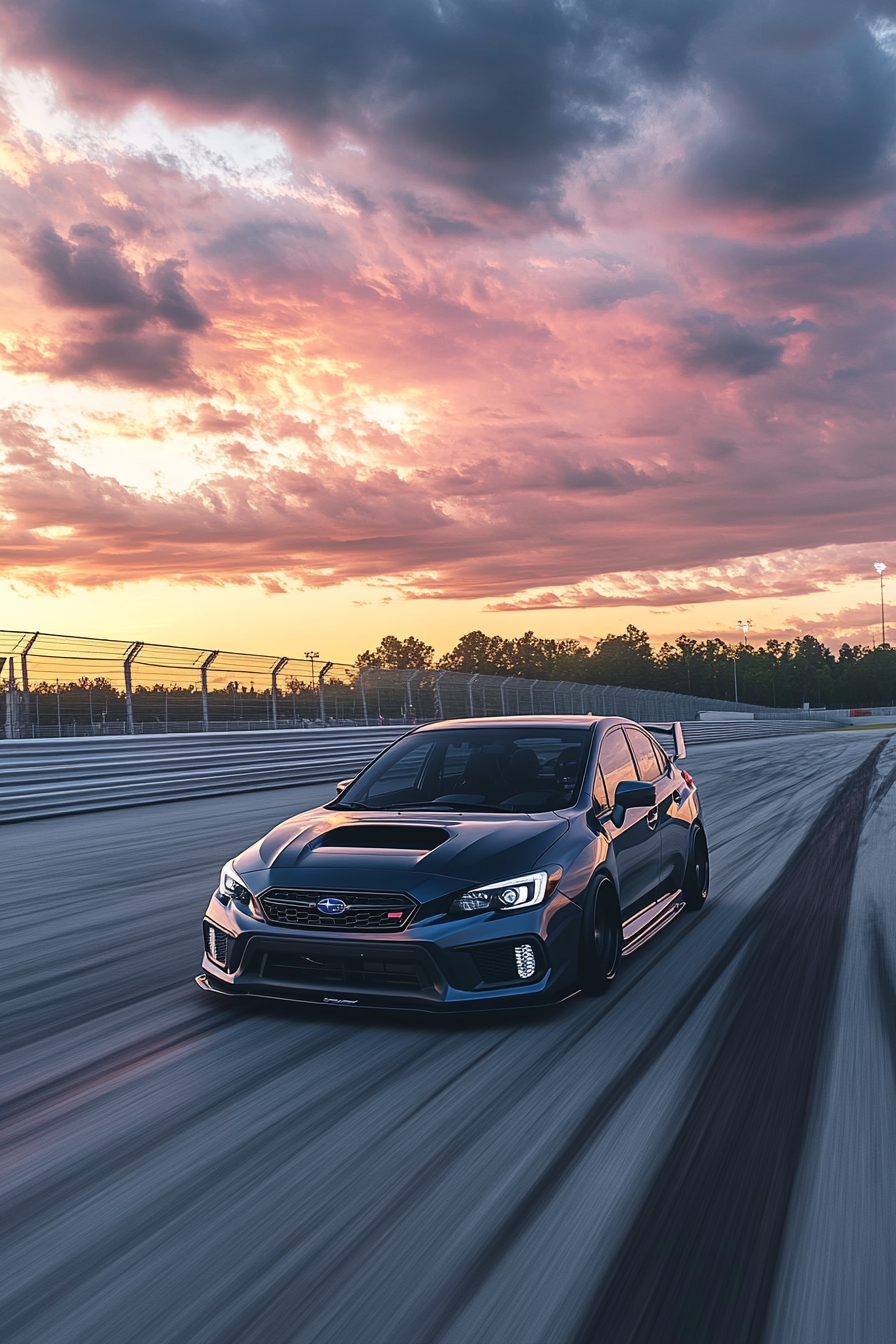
(673, 907)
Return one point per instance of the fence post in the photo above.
(26, 689)
(274, 670)
(320, 691)
(12, 704)
(437, 695)
(470, 694)
(363, 692)
(128, 691)
(203, 672)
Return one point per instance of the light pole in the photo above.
(880, 567)
(312, 654)
(734, 665)
(745, 626)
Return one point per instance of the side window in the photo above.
(615, 764)
(644, 754)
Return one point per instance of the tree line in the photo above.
(785, 674)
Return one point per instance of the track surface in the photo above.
(704, 1155)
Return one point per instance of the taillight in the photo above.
(687, 778)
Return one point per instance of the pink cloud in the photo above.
(571, 400)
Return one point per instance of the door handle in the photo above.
(653, 817)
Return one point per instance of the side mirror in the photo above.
(343, 785)
(632, 793)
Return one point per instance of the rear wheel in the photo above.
(601, 939)
(696, 882)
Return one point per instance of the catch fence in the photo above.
(72, 686)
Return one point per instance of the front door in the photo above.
(635, 842)
(671, 828)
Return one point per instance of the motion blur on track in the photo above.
(473, 863)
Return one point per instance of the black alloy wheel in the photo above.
(601, 939)
(696, 882)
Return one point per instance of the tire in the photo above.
(601, 942)
(696, 881)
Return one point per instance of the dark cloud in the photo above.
(617, 286)
(426, 220)
(88, 271)
(145, 360)
(608, 477)
(172, 302)
(806, 102)
(808, 271)
(500, 99)
(717, 341)
(495, 98)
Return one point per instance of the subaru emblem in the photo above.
(331, 905)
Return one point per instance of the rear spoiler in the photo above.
(667, 730)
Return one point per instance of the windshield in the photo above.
(492, 769)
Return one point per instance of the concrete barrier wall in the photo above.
(58, 777)
(728, 730)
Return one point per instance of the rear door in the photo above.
(634, 842)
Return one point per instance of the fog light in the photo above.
(216, 944)
(525, 961)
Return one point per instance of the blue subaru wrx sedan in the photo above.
(476, 862)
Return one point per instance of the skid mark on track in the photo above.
(485, 1257)
(886, 988)
(699, 1260)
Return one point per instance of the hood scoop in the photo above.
(420, 839)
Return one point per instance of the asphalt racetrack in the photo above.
(705, 1156)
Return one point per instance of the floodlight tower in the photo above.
(880, 567)
(745, 626)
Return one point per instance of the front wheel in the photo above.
(601, 939)
(696, 882)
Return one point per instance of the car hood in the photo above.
(425, 854)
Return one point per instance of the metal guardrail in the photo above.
(59, 777)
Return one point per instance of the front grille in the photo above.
(365, 910)
(358, 972)
(499, 963)
(217, 944)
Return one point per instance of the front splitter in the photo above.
(371, 1001)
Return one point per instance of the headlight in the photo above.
(230, 884)
(516, 894)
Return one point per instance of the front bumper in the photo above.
(482, 961)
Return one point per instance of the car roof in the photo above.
(521, 721)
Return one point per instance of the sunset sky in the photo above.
(327, 320)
